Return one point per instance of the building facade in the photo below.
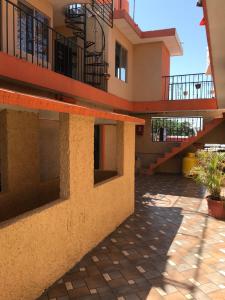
(79, 83)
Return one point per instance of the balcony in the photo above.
(26, 34)
(188, 87)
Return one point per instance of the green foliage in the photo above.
(173, 127)
(210, 172)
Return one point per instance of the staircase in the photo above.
(94, 66)
(185, 144)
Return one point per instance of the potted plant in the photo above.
(210, 173)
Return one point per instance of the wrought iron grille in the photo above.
(104, 9)
(190, 86)
(175, 129)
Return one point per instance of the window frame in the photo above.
(35, 50)
(118, 67)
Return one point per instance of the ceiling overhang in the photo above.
(215, 26)
(169, 37)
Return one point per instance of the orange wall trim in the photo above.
(17, 69)
(23, 71)
(27, 101)
(189, 105)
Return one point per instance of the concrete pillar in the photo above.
(76, 155)
(19, 135)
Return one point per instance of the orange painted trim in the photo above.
(33, 102)
(18, 69)
(164, 106)
(204, 5)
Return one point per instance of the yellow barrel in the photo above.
(188, 163)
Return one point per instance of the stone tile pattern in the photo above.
(169, 249)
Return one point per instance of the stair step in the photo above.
(184, 144)
(98, 64)
(94, 54)
(93, 83)
(89, 44)
(75, 28)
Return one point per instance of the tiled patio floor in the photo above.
(169, 249)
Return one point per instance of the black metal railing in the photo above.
(175, 129)
(28, 36)
(191, 86)
(104, 9)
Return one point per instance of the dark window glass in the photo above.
(121, 63)
(32, 32)
(25, 28)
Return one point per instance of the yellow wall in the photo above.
(50, 240)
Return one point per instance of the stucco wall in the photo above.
(115, 85)
(49, 149)
(148, 72)
(52, 239)
(19, 152)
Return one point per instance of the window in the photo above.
(32, 31)
(121, 63)
(106, 151)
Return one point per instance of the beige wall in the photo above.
(148, 72)
(116, 86)
(147, 63)
(52, 239)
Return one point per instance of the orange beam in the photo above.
(33, 102)
(18, 69)
(176, 105)
(23, 71)
(123, 14)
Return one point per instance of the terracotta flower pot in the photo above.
(216, 208)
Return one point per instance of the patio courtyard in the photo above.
(169, 249)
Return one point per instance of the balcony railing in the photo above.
(175, 129)
(104, 8)
(28, 36)
(186, 87)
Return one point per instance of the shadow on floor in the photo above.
(158, 249)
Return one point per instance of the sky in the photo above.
(185, 17)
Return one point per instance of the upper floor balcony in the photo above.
(188, 87)
(60, 41)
